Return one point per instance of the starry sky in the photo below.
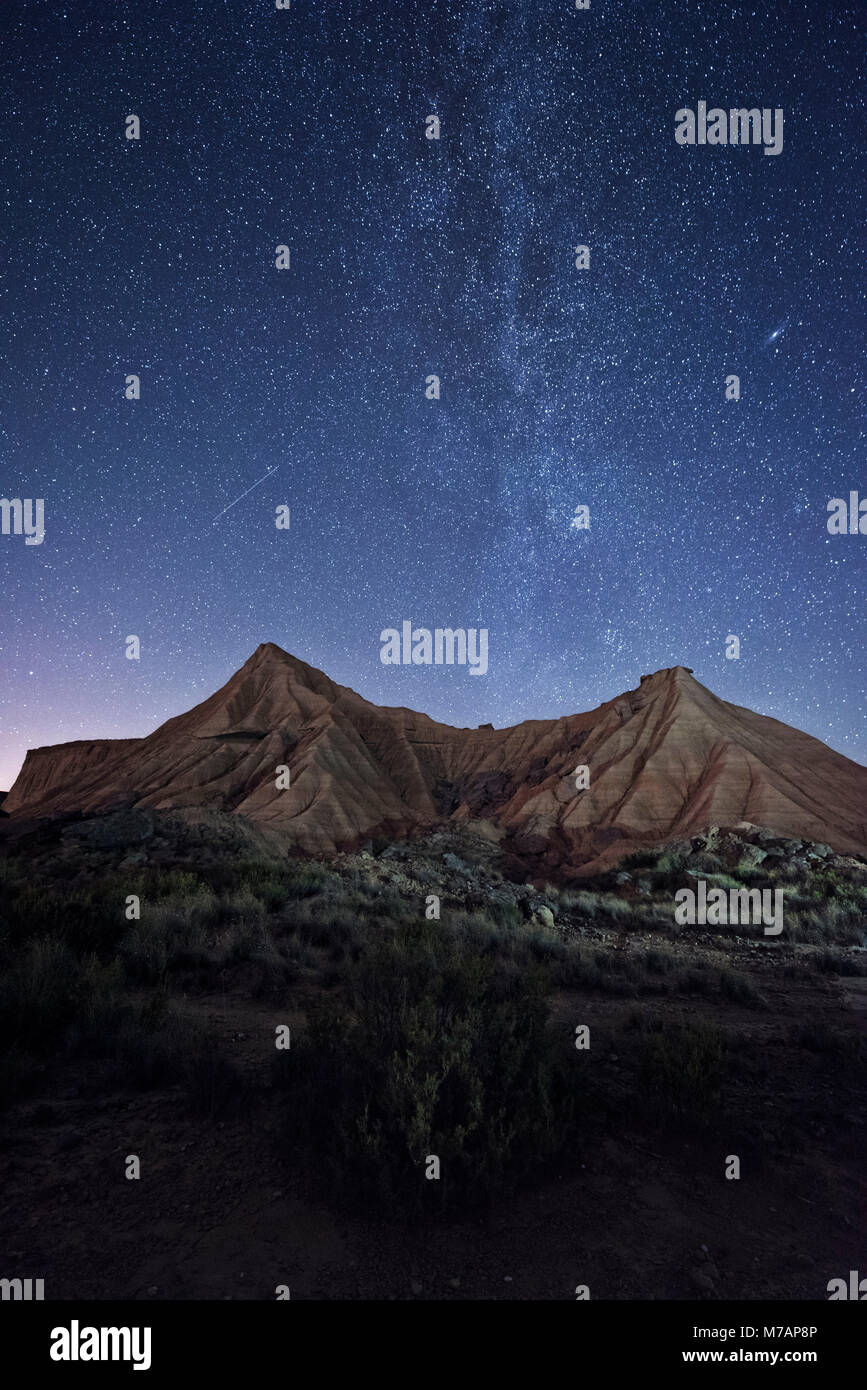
(306, 387)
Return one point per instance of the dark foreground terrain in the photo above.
(413, 1036)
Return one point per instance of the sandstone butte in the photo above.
(666, 761)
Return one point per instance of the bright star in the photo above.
(776, 333)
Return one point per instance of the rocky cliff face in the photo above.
(665, 761)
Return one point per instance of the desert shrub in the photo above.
(432, 1049)
(150, 1045)
(617, 911)
(178, 883)
(845, 921)
(582, 902)
(796, 897)
(802, 925)
(668, 873)
(505, 914)
(722, 881)
(618, 973)
(746, 871)
(840, 923)
(307, 879)
(54, 1003)
(615, 962)
(680, 1071)
(483, 934)
(144, 949)
(392, 903)
(88, 917)
(640, 859)
(704, 861)
(659, 915)
(659, 962)
(733, 984)
(267, 882)
(577, 971)
(262, 877)
(841, 1042)
(333, 925)
(279, 964)
(201, 934)
(539, 943)
(40, 989)
(609, 972)
(242, 907)
(270, 892)
(838, 963)
(59, 1005)
(825, 883)
(718, 980)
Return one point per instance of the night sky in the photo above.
(560, 387)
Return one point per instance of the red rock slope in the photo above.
(666, 761)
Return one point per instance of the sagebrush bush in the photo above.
(640, 859)
(659, 961)
(843, 1042)
(54, 1004)
(432, 1049)
(505, 914)
(40, 991)
(838, 963)
(681, 1069)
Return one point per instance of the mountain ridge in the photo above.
(666, 760)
